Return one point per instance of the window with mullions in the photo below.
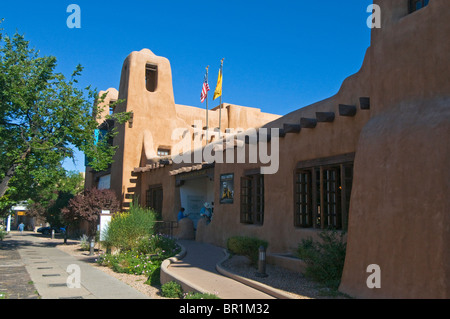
(303, 204)
(252, 199)
(415, 5)
(322, 194)
(154, 199)
(331, 197)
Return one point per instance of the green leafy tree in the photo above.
(44, 117)
(50, 201)
(88, 206)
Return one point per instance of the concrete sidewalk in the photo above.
(33, 259)
(197, 269)
(48, 269)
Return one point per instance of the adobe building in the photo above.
(147, 139)
(370, 160)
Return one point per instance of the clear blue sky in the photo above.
(279, 55)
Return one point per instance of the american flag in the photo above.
(205, 89)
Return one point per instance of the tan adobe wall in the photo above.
(325, 140)
(399, 216)
(112, 95)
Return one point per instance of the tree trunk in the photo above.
(11, 172)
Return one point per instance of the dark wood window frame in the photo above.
(415, 5)
(303, 205)
(322, 189)
(252, 198)
(163, 151)
(154, 199)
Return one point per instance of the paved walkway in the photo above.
(197, 269)
(45, 269)
(31, 265)
(15, 282)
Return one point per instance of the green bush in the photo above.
(126, 229)
(197, 295)
(84, 243)
(246, 246)
(130, 262)
(3, 233)
(172, 289)
(155, 278)
(324, 259)
(145, 260)
(160, 245)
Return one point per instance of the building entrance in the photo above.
(196, 189)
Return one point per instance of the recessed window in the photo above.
(303, 193)
(154, 199)
(112, 107)
(163, 152)
(252, 199)
(415, 5)
(151, 77)
(322, 194)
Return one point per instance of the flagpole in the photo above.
(207, 124)
(220, 109)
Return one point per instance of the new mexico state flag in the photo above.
(218, 91)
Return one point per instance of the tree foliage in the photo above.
(44, 117)
(88, 206)
(47, 203)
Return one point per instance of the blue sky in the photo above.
(279, 55)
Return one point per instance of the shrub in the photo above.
(3, 232)
(197, 295)
(160, 245)
(87, 207)
(324, 259)
(84, 243)
(145, 260)
(246, 246)
(127, 229)
(155, 277)
(171, 289)
(130, 263)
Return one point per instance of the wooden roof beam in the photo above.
(364, 103)
(308, 122)
(325, 117)
(347, 110)
(291, 128)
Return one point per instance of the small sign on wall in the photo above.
(226, 188)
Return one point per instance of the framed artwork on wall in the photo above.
(226, 188)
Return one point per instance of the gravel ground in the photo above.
(294, 284)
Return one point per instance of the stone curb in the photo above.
(167, 276)
(249, 282)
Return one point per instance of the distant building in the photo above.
(371, 160)
(20, 214)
